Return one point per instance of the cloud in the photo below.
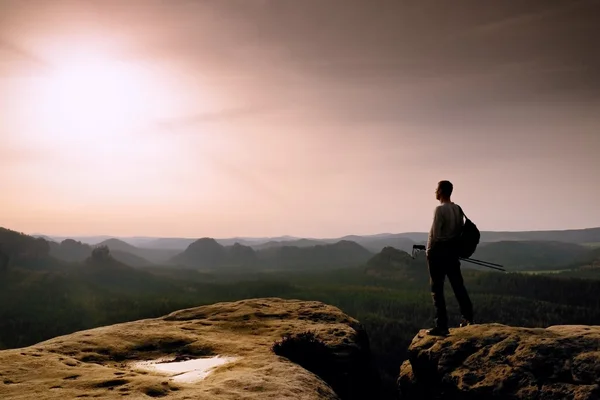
(18, 60)
(228, 115)
(526, 19)
(14, 156)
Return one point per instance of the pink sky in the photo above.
(256, 118)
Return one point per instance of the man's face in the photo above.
(438, 193)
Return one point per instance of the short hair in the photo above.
(446, 188)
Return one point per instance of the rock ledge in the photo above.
(98, 362)
(497, 361)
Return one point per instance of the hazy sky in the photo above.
(302, 117)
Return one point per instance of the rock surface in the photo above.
(497, 361)
(99, 362)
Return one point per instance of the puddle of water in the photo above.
(185, 371)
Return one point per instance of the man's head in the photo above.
(444, 190)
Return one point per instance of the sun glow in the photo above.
(93, 98)
(94, 117)
(95, 121)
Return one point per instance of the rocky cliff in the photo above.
(497, 361)
(107, 362)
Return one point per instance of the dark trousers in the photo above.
(443, 261)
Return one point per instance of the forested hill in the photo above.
(535, 255)
(580, 236)
(207, 253)
(41, 297)
(373, 243)
(73, 251)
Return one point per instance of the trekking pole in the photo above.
(484, 264)
(419, 247)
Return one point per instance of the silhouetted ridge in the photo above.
(294, 243)
(240, 254)
(137, 256)
(70, 250)
(533, 254)
(118, 245)
(74, 251)
(203, 253)
(18, 248)
(394, 263)
(336, 255)
(207, 253)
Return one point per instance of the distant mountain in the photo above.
(204, 253)
(397, 264)
(91, 240)
(208, 254)
(374, 242)
(241, 255)
(341, 254)
(377, 243)
(163, 251)
(103, 267)
(70, 250)
(403, 240)
(117, 244)
(533, 255)
(579, 236)
(94, 264)
(297, 243)
(19, 249)
(183, 243)
(131, 259)
(149, 255)
(587, 270)
(254, 241)
(416, 237)
(169, 243)
(74, 251)
(233, 241)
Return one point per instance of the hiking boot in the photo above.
(437, 331)
(465, 322)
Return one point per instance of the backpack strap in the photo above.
(462, 212)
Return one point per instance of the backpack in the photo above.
(468, 238)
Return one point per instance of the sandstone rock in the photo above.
(98, 362)
(497, 361)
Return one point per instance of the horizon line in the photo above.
(292, 236)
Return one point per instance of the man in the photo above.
(442, 259)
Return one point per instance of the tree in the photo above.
(4, 259)
(101, 253)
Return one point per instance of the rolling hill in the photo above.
(27, 251)
(337, 255)
(528, 250)
(295, 243)
(72, 251)
(579, 236)
(392, 263)
(374, 243)
(150, 255)
(533, 255)
(377, 243)
(207, 253)
(204, 253)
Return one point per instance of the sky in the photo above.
(315, 118)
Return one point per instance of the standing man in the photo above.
(442, 260)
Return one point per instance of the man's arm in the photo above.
(434, 232)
